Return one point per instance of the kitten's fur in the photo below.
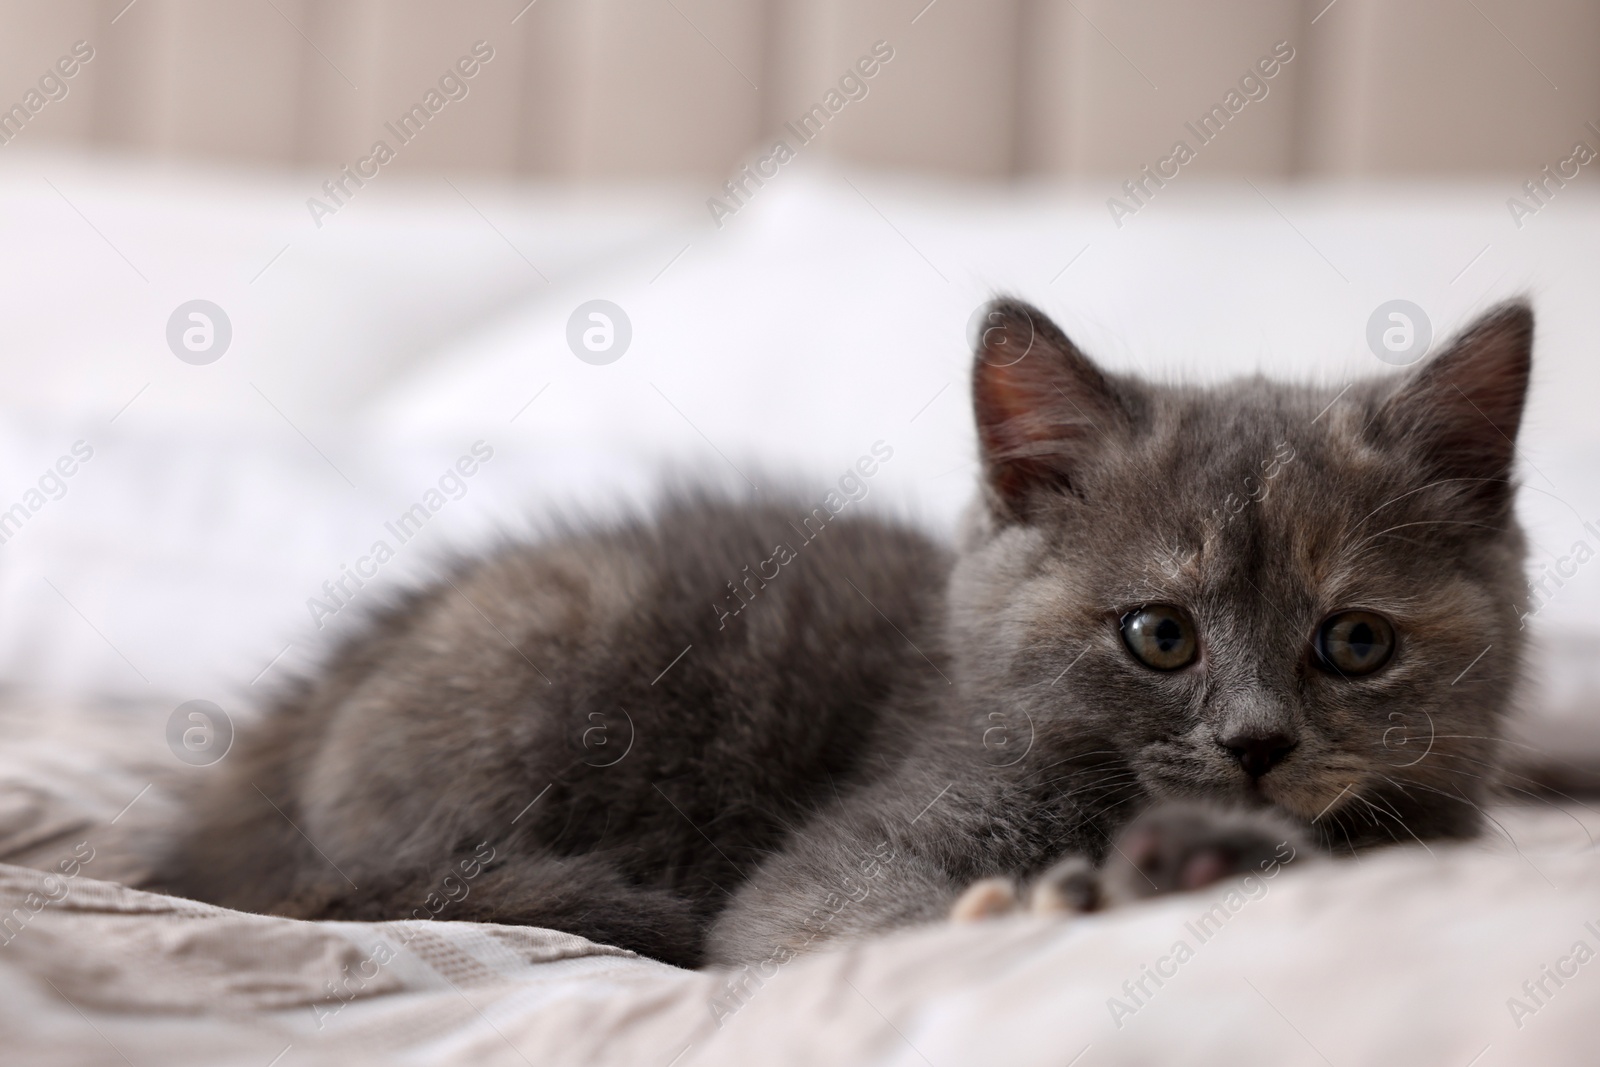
(889, 722)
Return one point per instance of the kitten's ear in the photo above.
(1044, 411)
(1462, 408)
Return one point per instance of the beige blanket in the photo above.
(1482, 955)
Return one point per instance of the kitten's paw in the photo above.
(1069, 888)
(1175, 848)
(985, 899)
(1172, 848)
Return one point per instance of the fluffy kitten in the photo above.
(1300, 604)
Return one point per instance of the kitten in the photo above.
(1188, 628)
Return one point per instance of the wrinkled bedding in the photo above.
(1408, 957)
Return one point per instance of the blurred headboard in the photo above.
(589, 89)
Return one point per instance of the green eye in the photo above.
(1160, 636)
(1354, 642)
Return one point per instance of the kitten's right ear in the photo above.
(1045, 412)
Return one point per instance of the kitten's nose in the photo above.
(1256, 752)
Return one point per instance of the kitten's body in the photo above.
(548, 666)
(887, 722)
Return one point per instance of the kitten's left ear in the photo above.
(1462, 408)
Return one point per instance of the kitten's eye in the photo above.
(1354, 642)
(1160, 636)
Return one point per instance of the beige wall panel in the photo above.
(1437, 86)
(945, 102)
(340, 78)
(559, 40)
(800, 56)
(33, 37)
(1333, 128)
(136, 95)
(419, 42)
(219, 78)
(1051, 130)
(608, 89)
(665, 88)
(1120, 80)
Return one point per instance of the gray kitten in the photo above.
(1189, 628)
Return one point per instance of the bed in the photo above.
(180, 561)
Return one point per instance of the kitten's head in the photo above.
(1273, 594)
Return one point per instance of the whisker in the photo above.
(1557, 807)
(1077, 756)
(1347, 842)
(1428, 522)
(1420, 489)
(1498, 825)
(1397, 818)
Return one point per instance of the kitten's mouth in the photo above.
(1259, 793)
(1301, 790)
(1305, 801)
